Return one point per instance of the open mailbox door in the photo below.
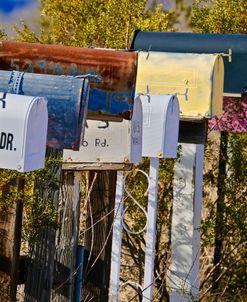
(23, 130)
(111, 142)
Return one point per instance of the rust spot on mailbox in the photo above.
(110, 98)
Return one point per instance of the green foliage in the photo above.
(3, 35)
(220, 16)
(26, 34)
(37, 213)
(233, 227)
(228, 224)
(98, 23)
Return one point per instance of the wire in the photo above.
(136, 202)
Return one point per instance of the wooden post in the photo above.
(98, 238)
(185, 223)
(39, 281)
(17, 241)
(151, 230)
(117, 240)
(67, 236)
(10, 242)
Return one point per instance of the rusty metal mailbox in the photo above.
(112, 90)
(23, 130)
(67, 103)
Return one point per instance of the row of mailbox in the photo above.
(23, 139)
(195, 79)
(152, 131)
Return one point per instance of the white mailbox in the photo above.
(160, 125)
(111, 142)
(23, 130)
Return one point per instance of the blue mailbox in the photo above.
(67, 103)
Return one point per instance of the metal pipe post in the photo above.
(151, 230)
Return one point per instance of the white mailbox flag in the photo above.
(23, 131)
(160, 125)
(111, 142)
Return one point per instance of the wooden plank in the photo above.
(38, 286)
(186, 220)
(17, 241)
(117, 240)
(67, 236)
(98, 237)
(151, 230)
(96, 166)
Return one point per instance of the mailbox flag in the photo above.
(67, 103)
(23, 130)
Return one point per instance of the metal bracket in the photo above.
(136, 202)
(95, 77)
(2, 99)
(15, 82)
(185, 94)
(229, 55)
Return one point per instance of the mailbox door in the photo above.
(171, 129)
(36, 134)
(197, 79)
(160, 131)
(16, 149)
(111, 142)
(104, 142)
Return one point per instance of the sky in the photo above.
(11, 11)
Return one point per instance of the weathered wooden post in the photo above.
(187, 190)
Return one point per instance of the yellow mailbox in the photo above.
(196, 79)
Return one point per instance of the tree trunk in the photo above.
(219, 209)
